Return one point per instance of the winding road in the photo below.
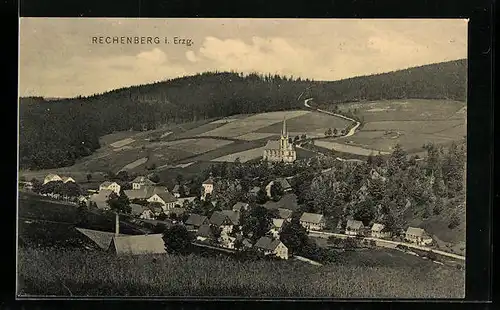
(351, 132)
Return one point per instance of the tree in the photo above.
(398, 160)
(257, 223)
(177, 240)
(454, 221)
(123, 176)
(89, 177)
(276, 191)
(261, 196)
(335, 131)
(294, 236)
(328, 132)
(82, 218)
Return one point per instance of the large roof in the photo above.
(283, 182)
(288, 201)
(353, 224)
(267, 243)
(146, 192)
(167, 197)
(137, 209)
(218, 218)
(278, 223)
(101, 196)
(106, 183)
(196, 220)
(210, 180)
(285, 213)
(234, 216)
(204, 231)
(311, 218)
(377, 227)
(240, 205)
(139, 244)
(101, 238)
(419, 232)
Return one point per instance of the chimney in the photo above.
(117, 224)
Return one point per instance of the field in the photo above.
(345, 148)
(75, 272)
(412, 123)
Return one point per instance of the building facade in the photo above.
(280, 150)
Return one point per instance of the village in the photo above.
(255, 222)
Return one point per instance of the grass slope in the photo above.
(80, 273)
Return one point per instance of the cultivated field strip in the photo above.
(346, 148)
(253, 123)
(243, 156)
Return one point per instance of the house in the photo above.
(221, 220)
(137, 210)
(284, 185)
(204, 233)
(234, 216)
(177, 190)
(280, 150)
(380, 231)
(177, 211)
(354, 228)
(196, 221)
(272, 246)
(288, 201)
(111, 186)
(68, 179)
(418, 236)
(101, 198)
(208, 187)
(240, 206)
(254, 191)
(277, 227)
(137, 244)
(145, 192)
(166, 199)
(141, 181)
(285, 214)
(51, 178)
(312, 221)
(83, 199)
(181, 201)
(375, 175)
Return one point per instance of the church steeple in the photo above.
(283, 131)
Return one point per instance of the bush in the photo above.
(454, 221)
(431, 255)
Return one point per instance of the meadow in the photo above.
(411, 123)
(74, 272)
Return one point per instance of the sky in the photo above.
(58, 57)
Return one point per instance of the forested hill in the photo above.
(54, 133)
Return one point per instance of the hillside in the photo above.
(55, 133)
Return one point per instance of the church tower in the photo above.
(284, 137)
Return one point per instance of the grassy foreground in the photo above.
(46, 271)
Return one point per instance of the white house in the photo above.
(418, 236)
(227, 241)
(208, 187)
(223, 221)
(312, 221)
(166, 199)
(272, 246)
(141, 181)
(110, 186)
(204, 233)
(380, 231)
(51, 178)
(354, 228)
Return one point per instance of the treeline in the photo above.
(54, 133)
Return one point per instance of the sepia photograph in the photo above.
(242, 158)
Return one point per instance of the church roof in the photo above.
(272, 145)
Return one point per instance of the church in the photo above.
(280, 150)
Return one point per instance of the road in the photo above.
(396, 243)
(351, 132)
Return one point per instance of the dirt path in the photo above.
(351, 132)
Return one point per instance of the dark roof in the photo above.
(218, 218)
(419, 232)
(137, 209)
(208, 181)
(205, 231)
(283, 182)
(311, 218)
(288, 201)
(353, 224)
(177, 211)
(285, 213)
(267, 243)
(167, 197)
(196, 220)
(146, 192)
(234, 216)
(378, 227)
(240, 205)
(101, 238)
